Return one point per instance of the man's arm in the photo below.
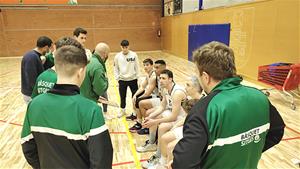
(31, 70)
(159, 110)
(151, 86)
(136, 65)
(100, 82)
(29, 146)
(276, 130)
(178, 96)
(141, 88)
(99, 143)
(150, 120)
(100, 150)
(189, 150)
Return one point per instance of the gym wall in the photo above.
(262, 32)
(108, 21)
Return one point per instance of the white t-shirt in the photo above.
(170, 100)
(88, 54)
(126, 67)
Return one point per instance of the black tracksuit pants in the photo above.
(123, 90)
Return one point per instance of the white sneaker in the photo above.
(147, 147)
(151, 163)
(121, 113)
(159, 165)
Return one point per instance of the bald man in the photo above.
(95, 82)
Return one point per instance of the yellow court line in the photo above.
(132, 147)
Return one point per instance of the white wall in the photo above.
(219, 3)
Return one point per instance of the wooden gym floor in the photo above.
(12, 111)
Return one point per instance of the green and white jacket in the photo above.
(95, 82)
(229, 128)
(62, 129)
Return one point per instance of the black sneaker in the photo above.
(131, 117)
(143, 131)
(135, 128)
(153, 160)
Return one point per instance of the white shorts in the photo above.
(178, 132)
(155, 102)
(166, 113)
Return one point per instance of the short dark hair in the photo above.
(167, 72)
(78, 31)
(216, 59)
(148, 60)
(125, 42)
(43, 41)
(161, 62)
(69, 58)
(67, 41)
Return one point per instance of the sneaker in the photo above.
(132, 117)
(135, 128)
(147, 147)
(121, 113)
(153, 160)
(143, 131)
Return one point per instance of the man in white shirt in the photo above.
(126, 69)
(80, 35)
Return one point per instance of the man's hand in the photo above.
(43, 59)
(105, 101)
(149, 123)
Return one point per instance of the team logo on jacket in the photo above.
(250, 136)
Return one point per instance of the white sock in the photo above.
(152, 137)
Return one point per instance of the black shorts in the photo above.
(139, 98)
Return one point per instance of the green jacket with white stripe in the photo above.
(230, 128)
(62, 129)
(95, 82)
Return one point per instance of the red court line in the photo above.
(11, 123)
(127, 162)
(292, 130)
(293, 138)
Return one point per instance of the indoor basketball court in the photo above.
(264, 35)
